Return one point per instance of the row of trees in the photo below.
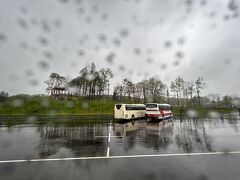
(189, 91)
(151, 90)
(3, 96)
(90, 83)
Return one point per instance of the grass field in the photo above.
(42, 106)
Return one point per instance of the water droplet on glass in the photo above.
(116, 41)
(163, 66)
(17, 102)
(81, 52)
(191, 114)
(69, 104)
(81, 10)
(45, 26)
(63, 1)
(3, 37)
(213, 115)
(22, 23)
(85, 105)
(124, 32)
(45, 103)
(149, 60)
(43, 41)
(43, 65)
(104, 16)
(48, 55)
(88, 19)
(102, 37)
(168, 44)
(90, 77)
(23, 10)
(137, 51)
(110, 57)
(33, 82)
(122, 68)
(179, 54)
(232, 5)
(29, 73)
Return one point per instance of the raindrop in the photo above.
(45, 26)
(226, 17)
(95, 8)
(31, 119)
(52, 113)
(176, 63)
(168, 44)
(33, 82)
(22, 23)
(163, 66)
(81, 10)
(124, 32)
(34, 21)
(63, 1)
(69, 104)
(102, 37)
(235, 15)
(122, 68)
(116, 41)
(88, 19)
(110, 57)
(45, 103)
(232, 5)
(43, 41)
(179, 54)
(48, 55)
(43, 65)
(81, 52)
(236, 101)
(24, 45)
(29, 73)
(226, 62)
(90, 77)
(188, 2)
(57, 22)
(149, 60)
(85, 105)
(213, 115)
(181, 41)
(17, 102)
(104, 16)
(203, 2)
(137, 51)
(3, 37)
(24, 10)
(78, 1)
(191, 113)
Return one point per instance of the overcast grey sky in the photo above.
(190, 38)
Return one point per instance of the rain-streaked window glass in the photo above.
(119, 89)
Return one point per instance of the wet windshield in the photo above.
(78, 79)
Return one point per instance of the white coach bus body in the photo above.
(129, 111)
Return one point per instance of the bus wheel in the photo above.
(133, 119)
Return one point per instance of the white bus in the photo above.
(158, 111)
(129, 111)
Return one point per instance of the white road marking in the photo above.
(121, 157)
(109, 137)
(108, 149)
(106, 136)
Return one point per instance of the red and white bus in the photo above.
(158, 111)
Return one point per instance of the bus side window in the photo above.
(118, 106)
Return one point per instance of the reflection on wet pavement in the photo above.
(59, 141)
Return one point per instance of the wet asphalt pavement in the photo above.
(191, 149)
